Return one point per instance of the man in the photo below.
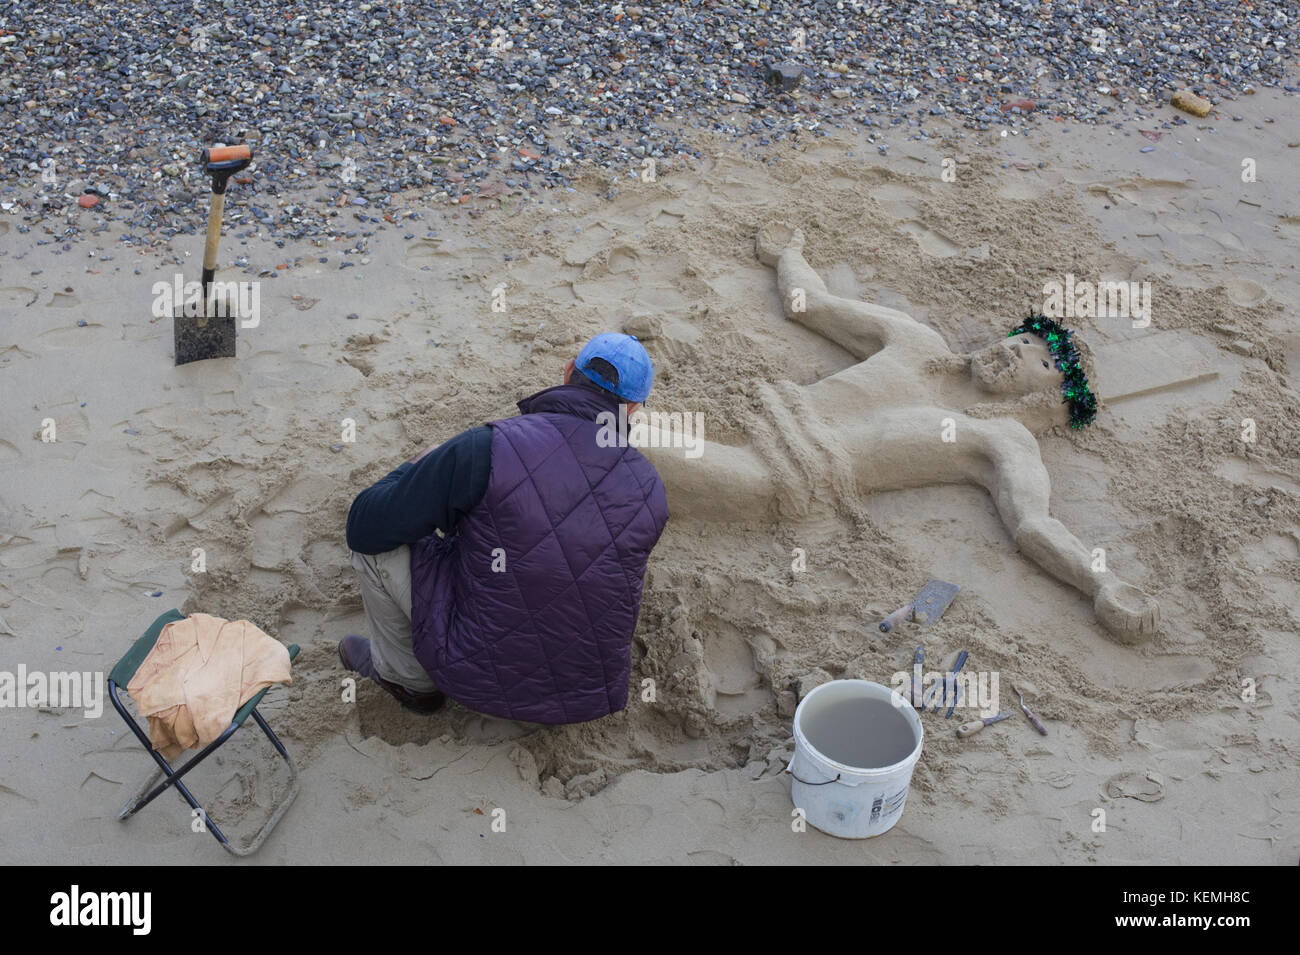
(503, 568)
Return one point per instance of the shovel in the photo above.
(926, 607)
(211, 335)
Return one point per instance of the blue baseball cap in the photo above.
(636, 372)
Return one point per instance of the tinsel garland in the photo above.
(1074, 386)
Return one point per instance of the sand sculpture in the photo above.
(911, 413)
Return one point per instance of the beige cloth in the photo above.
(201, 670)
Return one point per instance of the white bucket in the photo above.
(854, 751)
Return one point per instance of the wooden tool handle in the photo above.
(970, 729)
(895, 618)
(214, 231)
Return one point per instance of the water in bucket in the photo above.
(862, 733)
(854, 751)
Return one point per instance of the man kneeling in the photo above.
(504, 567)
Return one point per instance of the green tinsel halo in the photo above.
(1074, 387)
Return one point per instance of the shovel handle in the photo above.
(213, 239)
(222, 162)
(226, 154)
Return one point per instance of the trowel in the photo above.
(926, 607)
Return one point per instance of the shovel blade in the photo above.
(932, 600)
(198, 338)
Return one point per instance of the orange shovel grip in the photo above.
(226, 153)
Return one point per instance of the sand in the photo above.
(246, 461)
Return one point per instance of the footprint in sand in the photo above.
(424, 253)
(896, 200)
(1244, 472)
(1245, 292)
(734, 190)
(1022, 188)
(670, 218)
(72, 336)
(731, 668)
(586, 244)
(1148, 787)
(841, 280)
(70, 428)
(14, 295)
(623, 259)
(12, 353)
(930, 242)
(673, 350)
(278, 540)
(63, 300)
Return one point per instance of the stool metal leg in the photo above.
(164, 777)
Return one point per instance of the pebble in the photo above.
(1189, 102)
(580, 85)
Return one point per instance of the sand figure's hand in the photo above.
(1127, 612)
(774, 239)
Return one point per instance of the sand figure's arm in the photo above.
(1013, 473)
(711, 481)
(860, 328)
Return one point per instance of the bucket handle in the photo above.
(804, 781)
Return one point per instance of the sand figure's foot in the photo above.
(772, 240)
(1127, 612)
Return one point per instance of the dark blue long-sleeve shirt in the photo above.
(418, 497)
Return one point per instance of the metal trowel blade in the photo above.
(932, 600)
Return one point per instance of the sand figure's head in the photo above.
(1021, 371)
(1020, 365)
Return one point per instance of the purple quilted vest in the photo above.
(527, 610)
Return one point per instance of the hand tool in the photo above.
(912, 692)
(957, 691)
(974, 726)
(950, 679)
(926, 607)
(1038, 724)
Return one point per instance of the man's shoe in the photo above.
(354, 654)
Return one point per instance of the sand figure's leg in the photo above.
(1018, 482)
(860, 328)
